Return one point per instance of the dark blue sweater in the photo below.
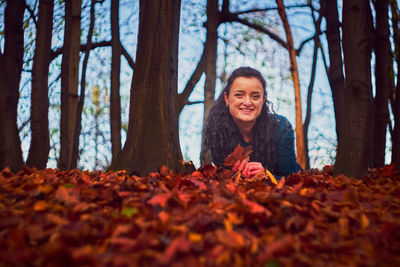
(286, 157)
(285, 154)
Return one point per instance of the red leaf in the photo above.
(63, 194)
(180, 244)
(255, 207)
(160, 199)
(239, 153)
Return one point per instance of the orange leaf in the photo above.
(40, 205)
(231, 239)
(271, 176)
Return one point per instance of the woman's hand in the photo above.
(248, 168)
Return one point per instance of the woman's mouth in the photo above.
(246, 110)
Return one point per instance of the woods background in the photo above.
(99, 84)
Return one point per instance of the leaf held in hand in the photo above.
(238, 154)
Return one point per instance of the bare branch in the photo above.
(254, 10)
(234, 18)
(183, 97)
(128, 57)
(195, 102)
(30, 10)
(58, 51)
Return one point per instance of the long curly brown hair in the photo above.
(221, 134)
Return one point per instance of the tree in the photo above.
(210, 50)
(395, 100)
(307, 120)
(383, 81)
(79, 108)
(40, 140)
(335, 70)
(296, 82)
(69, 81)
(153, 138)
(115, 101)
(354, 147)
(10, 75)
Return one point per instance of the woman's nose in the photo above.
(247, 100)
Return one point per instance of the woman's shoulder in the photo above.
(282, 121)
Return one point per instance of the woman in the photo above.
(242, 115)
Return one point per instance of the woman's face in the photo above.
(246, 99)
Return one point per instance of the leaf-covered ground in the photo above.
(207, 218)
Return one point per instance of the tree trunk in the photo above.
(40, 142)
(335, 73)
(210, 55)
(78, 120)
(10, 76)
(354, 147)
(69, 81)
(210, 50)
(295, 75)
(307, 120)
(383, 81)
(396, 93)
(153, 138)
(115, 101)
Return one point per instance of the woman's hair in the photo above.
(221, 134)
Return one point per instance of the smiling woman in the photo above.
(242, 115)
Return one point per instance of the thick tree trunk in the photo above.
(396, 93)
(354, 147)
(10, 76)
(335, 73)
(81, 102)
(383, 81)
(115, 101)
(153, 138)
(40, 142)
(301, 159)
(69, 81)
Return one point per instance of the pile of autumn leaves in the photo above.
(206, 218)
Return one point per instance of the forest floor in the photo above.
(210, 217)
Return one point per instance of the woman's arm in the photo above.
(286, 162)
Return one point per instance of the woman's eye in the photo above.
(256, 97)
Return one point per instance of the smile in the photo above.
(246, 110)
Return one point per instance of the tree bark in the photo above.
(115, 99)
(295, 76)
(210, 50)
(383, 81)
(10, 76)
(396, 93)
(81, 102)
(354, 147)
(153, 138)
(69, 81)
(40, 141)
(335, 73)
